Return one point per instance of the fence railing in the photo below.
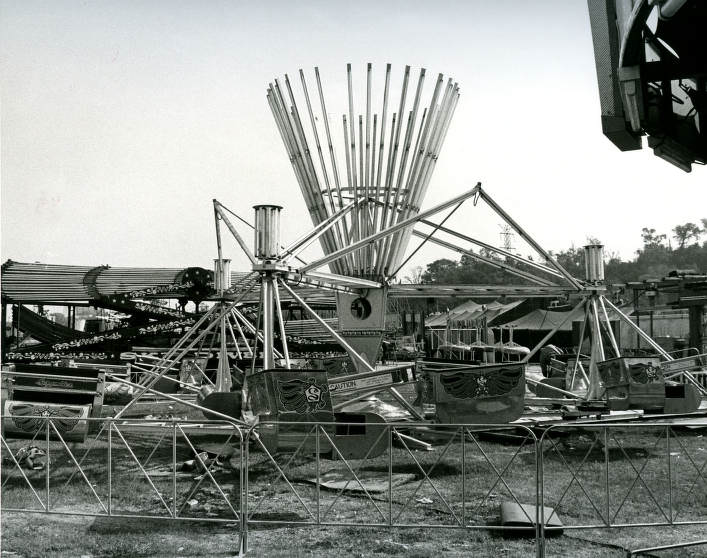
(620, 470)
(410, 475)
(148, 469)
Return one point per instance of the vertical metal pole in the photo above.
(670, 473)
(243, 494)
(338, 238)
(606, 476)
(539, 499)
(245, 450)
(219, 250)
(110, 467)
(48, 466)
(463, 433)
(17, 334)
(268, 325)
(650, 316)
(638, 318)
(332, 156)
(223, 376)
(3, 336)
(318, 466)
(174, 468)
(390, 475)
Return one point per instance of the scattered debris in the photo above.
(524, 515)
(367, 482)
(218, 463)
(166, 416)
(30, 457)
(223, 450)
(115, 393)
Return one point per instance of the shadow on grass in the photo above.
(137, 526)
(578, 453)
(441, 469)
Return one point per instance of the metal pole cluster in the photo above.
(34, 282)
(387, 165)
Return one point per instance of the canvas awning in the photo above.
(470, 311)
(546, 320)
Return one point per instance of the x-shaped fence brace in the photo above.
(607, 434)
(114, 429)
(575, 477)
(48, 427)
(639, 477)
(699, 469)
(322, 436)
(315, 432)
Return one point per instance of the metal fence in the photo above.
(397, 484)
(145, 469)
(623, 475)
(413, 475)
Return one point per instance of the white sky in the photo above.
(122, 120)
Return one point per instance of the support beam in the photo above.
(281, 322)
(254, 330)
(176, 400)
(643, 335)
(390, 230)
(488, 261)
(299, 245)
(346, 281)
(504, 253)
(3, 335)
(222, 214)
(545, 339)
(525, 236)
(467, 291)
(612, 337)
(354, 355)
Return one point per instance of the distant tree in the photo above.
(654, 260)
(572, 260)
(440, 271)
(683, 233)
(650, 238)
(415, 275)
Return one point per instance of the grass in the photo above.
(450, 483)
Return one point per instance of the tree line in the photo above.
(657, 257)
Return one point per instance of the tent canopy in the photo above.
(546, 320)
(471, 311)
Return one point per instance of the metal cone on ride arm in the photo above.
(391, 146)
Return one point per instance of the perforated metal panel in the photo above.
(605, 37)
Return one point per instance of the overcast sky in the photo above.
(122, 120)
